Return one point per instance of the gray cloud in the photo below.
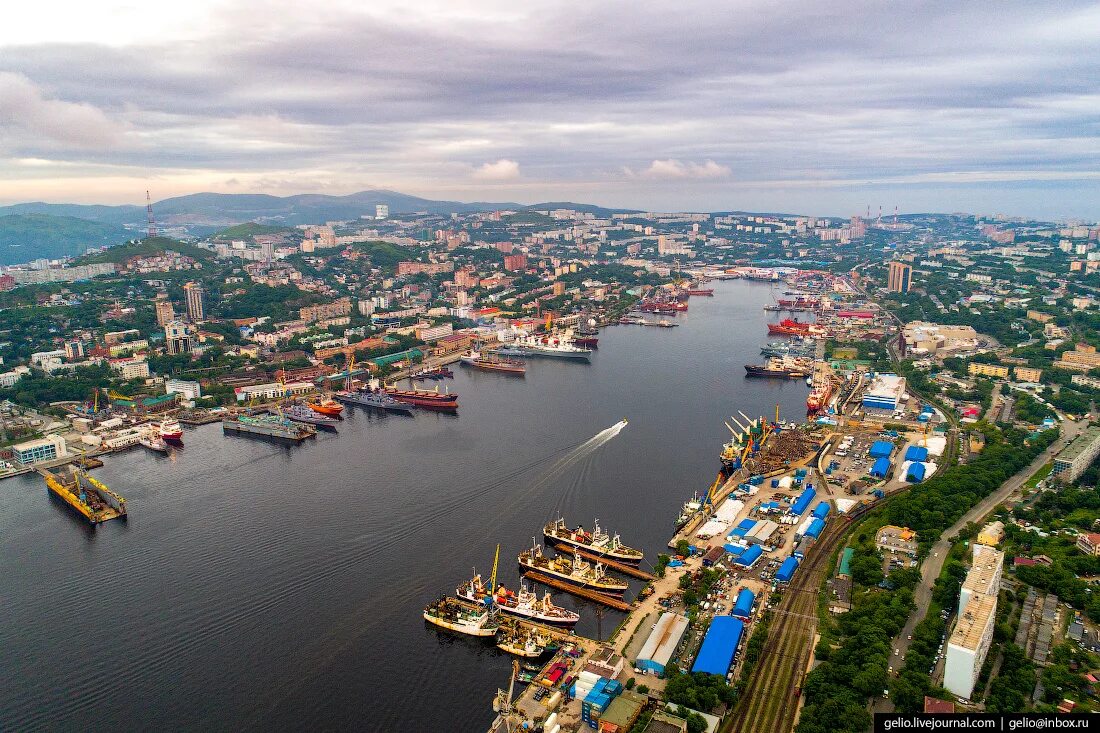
(612, 100)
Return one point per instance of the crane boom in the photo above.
(493, 577)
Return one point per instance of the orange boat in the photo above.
(328, 407)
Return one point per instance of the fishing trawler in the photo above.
(784, 367)
(493, 363)
(432, 400)
(596, 542)
(572, 571)
(522, 641)
(462, 616)
(523, 603)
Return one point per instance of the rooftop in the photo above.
(987, 563)
(972, 624)
(1082, 443)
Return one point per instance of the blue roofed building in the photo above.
(786, 570)
(719, 646)
(881, 449)
(880, 468)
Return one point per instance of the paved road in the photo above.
(933, 564)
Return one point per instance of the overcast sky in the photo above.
(810, 107)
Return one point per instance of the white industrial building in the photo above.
(886, 392)
(662, 642)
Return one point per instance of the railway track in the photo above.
(769, 702)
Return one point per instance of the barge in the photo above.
(268, 426)
(87, 496)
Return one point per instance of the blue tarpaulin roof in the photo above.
(742, 607)
(746, 524)
(821, 510)
(786, 570)
(814, 530)
(719, 646)
(915, 474)
(880, 449)
(802, 503)
(881, 468)
(749, 556)
(733, 549)
(916, 453)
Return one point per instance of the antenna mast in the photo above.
(152, 232)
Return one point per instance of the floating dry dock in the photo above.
(90, 498)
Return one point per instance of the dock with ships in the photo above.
(268, 426)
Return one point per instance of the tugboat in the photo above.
(462, 616)
(575, 572)
(597, 542)
(327, 407)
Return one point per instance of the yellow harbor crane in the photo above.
(493, 577)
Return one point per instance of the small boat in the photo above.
(522, 641)
(171, 432)
(328, 407)
(524, 603)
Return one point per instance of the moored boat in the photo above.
(522, 641)
(153, 442)
(781, 367)
(308, 416)
(376, 399)
(523, 603)
(462, 616)
(596, 542)
(572, 571)
(432, 400)
(84, 494)
(493, 363)
(690, 508)
(170, 431)
(327, 407)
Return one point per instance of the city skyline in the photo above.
(798, 109)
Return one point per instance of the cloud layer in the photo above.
(707, 104)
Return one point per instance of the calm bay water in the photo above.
(263, 587)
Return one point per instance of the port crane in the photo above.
(511, 718)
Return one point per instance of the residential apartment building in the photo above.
(1082, 358)
(1089, 543)
(987, 370)
(1077, 456)
(900, 277)
(977, 614)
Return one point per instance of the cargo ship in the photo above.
(493, 363)
(690, 509)
(780, 367)
(547, 346)
(709, 292)
(596, 542)
(661, 306)
(523, 603)
(462, 616)
(375, 399)
(585, 342)
(794, 327)
(819, 396)
(171, 432)
(88, 497)
(437, 374)
(327, 407)
(268, 426)
(573, 571)
(307, 416)
(800, 303)
(431, 400)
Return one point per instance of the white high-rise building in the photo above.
(381, 211)
(973, 634)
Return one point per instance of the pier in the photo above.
(617, 603)
(612, 564)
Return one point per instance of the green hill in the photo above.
(146, 247)
(27, 237)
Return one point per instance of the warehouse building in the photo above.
(662, 643)
(885, 393)
(742, 606)
(881, 468)
(719, 646)
(786, 570)
(36, 451)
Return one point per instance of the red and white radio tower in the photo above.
(149, 215)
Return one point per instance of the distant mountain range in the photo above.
(32, 230)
